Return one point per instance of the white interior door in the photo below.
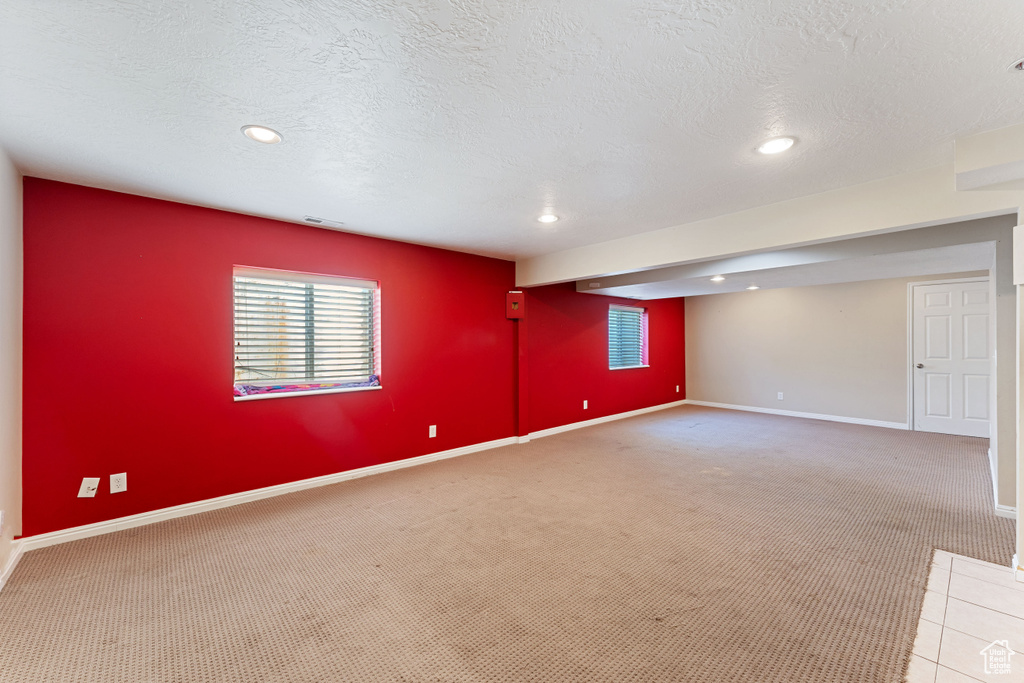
(953, 358)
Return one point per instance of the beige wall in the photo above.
(842, 349)
(10, 353)
(831, 349)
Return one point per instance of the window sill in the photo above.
(630, 367)
(312, 392)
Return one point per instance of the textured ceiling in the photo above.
(959, 258)
(456, 122)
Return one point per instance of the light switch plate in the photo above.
(88, 487)
(433, 431)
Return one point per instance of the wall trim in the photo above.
(812, 416)
(153, 516)
(1000, 510)
(143, 518)
(109, 526)
(600, 420)
(995, 487)
(16, 550)
(1006, 511)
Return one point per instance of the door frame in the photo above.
(992, 337)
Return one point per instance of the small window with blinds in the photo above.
(301, 333)
(627, 337)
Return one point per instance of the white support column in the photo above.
(1018, 281)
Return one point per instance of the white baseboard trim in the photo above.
(109, 526)
(17, 548)
(1001, 510)
(120, 523)
(812, 416)
(1006, 511)
(992, 473)
(599, 420)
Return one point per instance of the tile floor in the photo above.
(968, 605)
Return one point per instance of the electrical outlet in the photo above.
(780, 395)
(119, 482)
(584, 405)
(677, 388)
(88, 487)
(433, 431)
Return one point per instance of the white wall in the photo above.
(10, 354)
(1004, 438)
(832, 349)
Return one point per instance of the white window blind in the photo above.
(292, 328)
(626, 331)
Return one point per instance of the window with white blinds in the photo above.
(299, 332)
(627, 337)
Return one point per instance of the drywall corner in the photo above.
(11, 269)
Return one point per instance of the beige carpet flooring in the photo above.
(691, 544)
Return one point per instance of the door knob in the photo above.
(919, 366)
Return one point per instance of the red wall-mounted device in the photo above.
(515, 305)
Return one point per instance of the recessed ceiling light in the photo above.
(718, 278)
(776, 145)
(548, 218)
(753, 287)
(262, 134)
(1018, 65)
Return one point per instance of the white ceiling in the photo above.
(456, 122)
(961, 258)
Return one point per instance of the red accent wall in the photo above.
(567, 343)
(128, 355)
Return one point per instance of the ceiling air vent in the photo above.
(323, 222)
